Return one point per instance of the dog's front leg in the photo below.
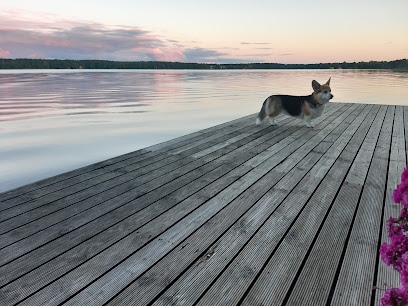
(308, 121)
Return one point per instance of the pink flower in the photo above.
(404, 274)
(395, 297)
(404, 175)
(400, 194)
(404, 199)
(394, 253)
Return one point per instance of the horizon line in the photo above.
(198, 63)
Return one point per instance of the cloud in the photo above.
(257, 54)
(80, 41)
(168, 55)
(62, 39)
(286, 54)
(258, 43)
(4, 53)
(203, 55)
(25, 34)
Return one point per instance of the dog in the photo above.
(304, 107)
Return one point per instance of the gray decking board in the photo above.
(111, 179)
(100, 209)
(189, 139)
(325, 255)
(119, 252)
(202, 238)
(34, 240)
(387, 277)
(125, 177)
(112, 187)
(192, 283)
(37, 224)
(220, 216)
(253, 257)
(357, 274)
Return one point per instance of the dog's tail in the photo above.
(262, 113)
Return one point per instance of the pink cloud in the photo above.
(26, 34)
(4, 53)
(168, 55)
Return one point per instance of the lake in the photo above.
(52, 121)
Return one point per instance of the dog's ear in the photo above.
(315, 85)
(328, 82)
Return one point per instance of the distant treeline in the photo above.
(23, 63)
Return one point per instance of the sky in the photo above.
(211, 31)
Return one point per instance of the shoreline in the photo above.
(22, 63)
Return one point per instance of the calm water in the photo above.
(52, 121)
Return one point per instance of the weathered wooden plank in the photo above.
(204, 270)
(67, 179)
(36, 240)
(36, 198)
(189, 287)
(179, 140)
(357, 271)
(183, 231)
(252, 258)
(332, 234)
(109, 178)
(137, 199)
(53, 248)
(179, 204)
(88, 179)
(212, 227)
(52, 218)
(64, 213)
(327, 250)
(211, 130)
(102, 186)
(387, 276)
(86, 176)
(92, 178)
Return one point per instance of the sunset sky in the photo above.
(222, 31)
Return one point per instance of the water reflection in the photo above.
(57, 120)
(40, 94)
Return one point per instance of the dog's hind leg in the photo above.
(273, 109)
(270, 108)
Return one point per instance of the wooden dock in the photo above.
(233, 214)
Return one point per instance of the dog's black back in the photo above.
(293, 104)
